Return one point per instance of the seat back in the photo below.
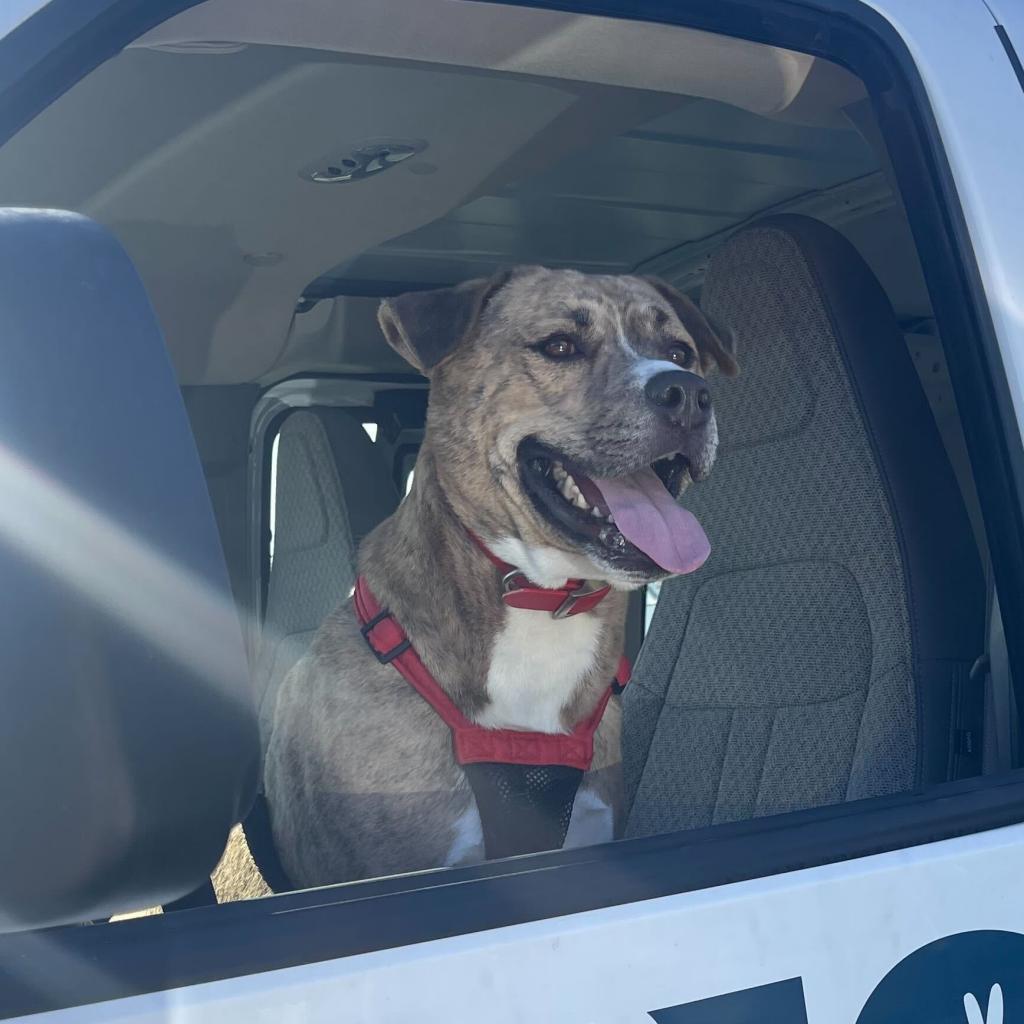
(818, 655)
(333, 487)
(128, 742)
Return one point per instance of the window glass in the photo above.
(735, 211)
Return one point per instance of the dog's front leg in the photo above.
(597, 812)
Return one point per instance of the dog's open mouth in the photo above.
(633, 519)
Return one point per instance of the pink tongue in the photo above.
(648, 516)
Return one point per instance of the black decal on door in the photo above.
(779, 1003)
(969, 978)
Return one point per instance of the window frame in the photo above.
(274, 406)
(68, 38)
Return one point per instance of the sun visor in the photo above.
(553, 44)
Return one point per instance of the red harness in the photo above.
(472, 743)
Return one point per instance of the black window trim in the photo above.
(51, 51)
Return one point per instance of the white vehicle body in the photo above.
(838, 929)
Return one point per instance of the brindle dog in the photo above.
(567, 413)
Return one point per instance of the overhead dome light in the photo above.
(363, 160)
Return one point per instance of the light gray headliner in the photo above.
(190, 151)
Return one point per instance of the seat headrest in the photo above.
(815, 326)
(128, 740)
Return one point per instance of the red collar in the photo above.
(572, 598)
(472, 743)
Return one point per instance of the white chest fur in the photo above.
(535, 666)
(537, 661)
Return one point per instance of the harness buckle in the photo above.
(384, 657)
(568, 606)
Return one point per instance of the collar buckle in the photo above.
(588, 588)
(518, 591)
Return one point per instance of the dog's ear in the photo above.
(717, 345)
(426, 327)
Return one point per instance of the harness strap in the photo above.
(518, 591)
(472, 743)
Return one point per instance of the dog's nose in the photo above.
(682, 395)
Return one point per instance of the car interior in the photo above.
(272, 171)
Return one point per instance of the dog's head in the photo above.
(567, 413)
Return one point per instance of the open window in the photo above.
(802, 698)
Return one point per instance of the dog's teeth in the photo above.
(609, 519)
(595, 511)
(568, 488)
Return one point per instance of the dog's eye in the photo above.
(559, 347)
(681, 355)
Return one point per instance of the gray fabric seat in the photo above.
(333, 488)
(822, 653)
